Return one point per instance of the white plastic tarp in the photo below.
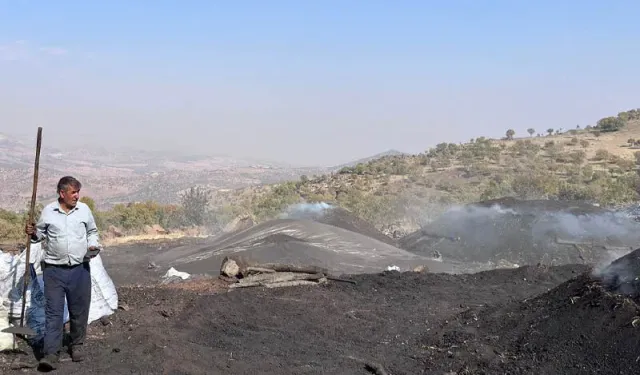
(104, 298)
(6, 339)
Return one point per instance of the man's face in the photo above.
(70, 196)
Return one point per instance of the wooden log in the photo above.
(258, 274)
(245, 285)
(294, 268)
(280, 276)
(277, 284)
(277, 278)
(421, 269)
(260, 270)
(228, 279)
(333, 278)
(289, 283)
(233, 267)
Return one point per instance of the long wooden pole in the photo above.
(31, 215)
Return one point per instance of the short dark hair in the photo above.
(67, 181)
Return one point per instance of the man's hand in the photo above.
(30, 229)
(93, 248)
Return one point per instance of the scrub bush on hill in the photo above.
(383, 190)
(194, 205)
(12, 224)
(134, 217)
(615, 123)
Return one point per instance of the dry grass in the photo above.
(613, 142)
(114, 241)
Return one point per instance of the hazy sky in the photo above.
(311, 82)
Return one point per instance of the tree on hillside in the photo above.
(531, 131)
(610, 124)
(510, 133)
(633, 114)
(550, 131)
(89, 202)
(97, 216)
(195, 203)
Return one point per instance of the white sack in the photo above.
(104, 298)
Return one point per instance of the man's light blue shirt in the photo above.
(68, 235)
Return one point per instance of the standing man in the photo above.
(69, 229)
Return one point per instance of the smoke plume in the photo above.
(527, 232)
(305, 210)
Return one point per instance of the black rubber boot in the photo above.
(77, 353)
(49, 363)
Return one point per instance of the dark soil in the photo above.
(394, 320)
(129, 263)
(577, 328)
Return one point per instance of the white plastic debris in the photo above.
(175, 273)
(393, 268)
(6, 339)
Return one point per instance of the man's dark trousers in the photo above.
(74, 282)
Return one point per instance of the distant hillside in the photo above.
(598, 164)
(368, 159)
(111, 175)
(396, 193)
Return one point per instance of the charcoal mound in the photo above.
(338, 217)
(579, 327)
(526, 232)
(623, 275)
(300, 242)
(238, 224)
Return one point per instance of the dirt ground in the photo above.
(538, 319)
(400, 321)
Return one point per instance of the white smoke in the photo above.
(603, 225)
(605, 269)
(541, 232)
(305, 210)
(598, 227)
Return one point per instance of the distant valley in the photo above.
(113, 176)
